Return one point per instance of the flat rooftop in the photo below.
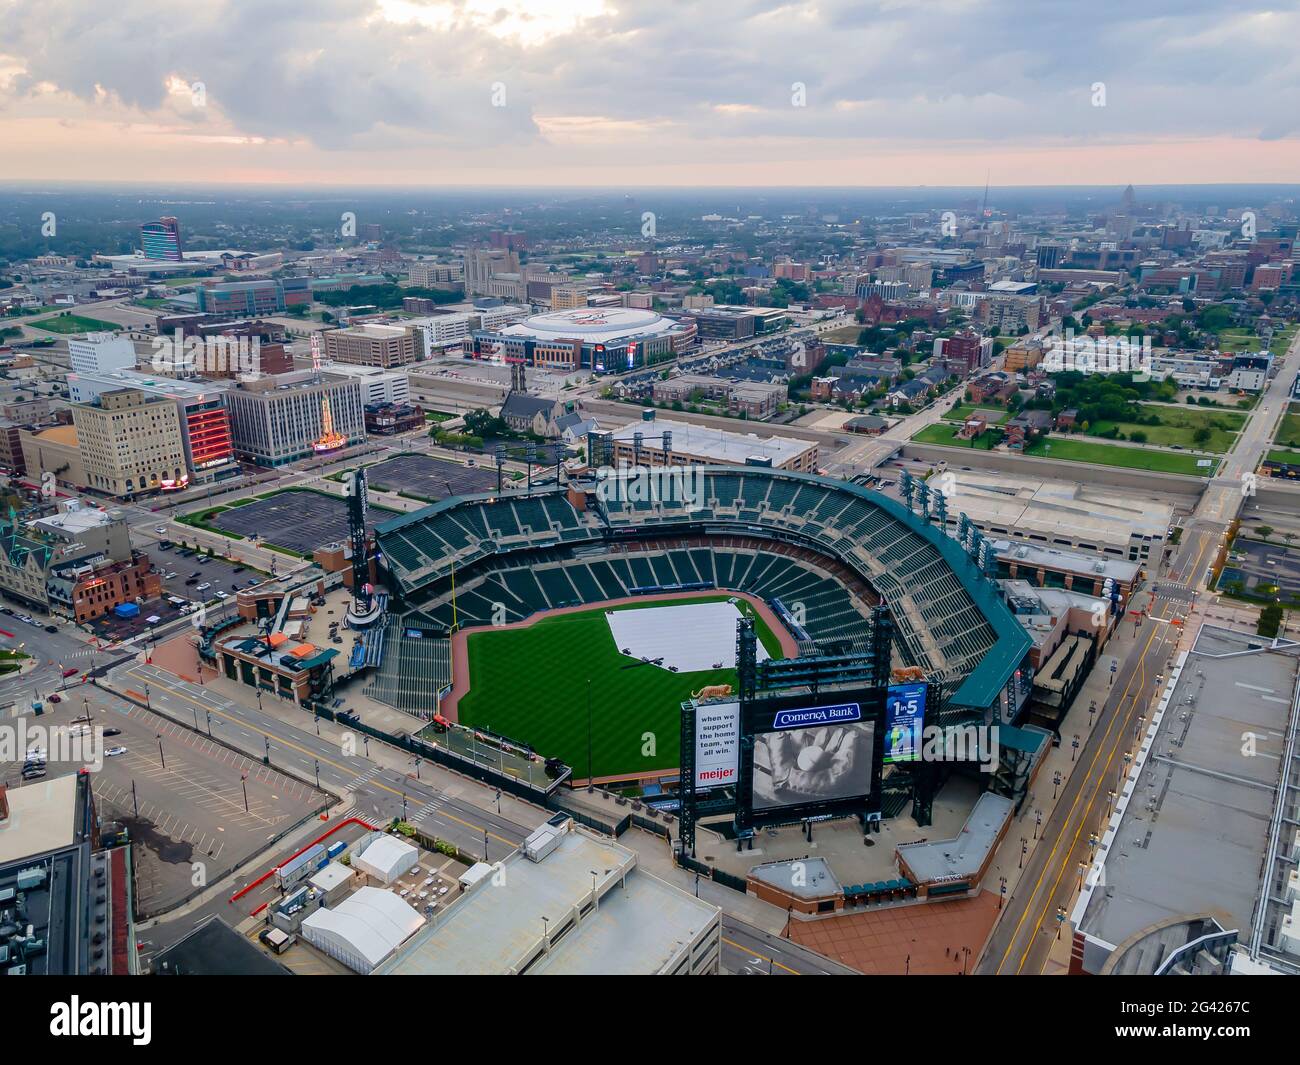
(42, 817)
(1191, 837)
(962, 857)
(1082, 562)
(716, 445)
(1059, 510)
(496, 927)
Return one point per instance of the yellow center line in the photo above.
(1073, 806)
(310, 754)
(761, 957)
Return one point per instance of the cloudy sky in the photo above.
(650, 92)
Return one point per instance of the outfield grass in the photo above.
(74, 323)
(1134, 458)
(945, 433)
(530, 685)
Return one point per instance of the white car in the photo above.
(203, 587)
(113, 752)
(169, 576)
(161, 530)
(223, 595)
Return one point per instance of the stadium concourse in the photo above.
(818, 551)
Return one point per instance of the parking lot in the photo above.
(195, 808)
(299, 521)
(432, 478)
(1269, 565)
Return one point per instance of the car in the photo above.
(223, 595)
(203, 587)
(252, 581)
(55, 697)
(6, 610)
(191, 580)
(204, 561)
(113, 752)
(33, 774)
(164, 545)
(70, 672)
(160, 529)
(112, 732)
(238, 569)
(170, 576)
(51, 628)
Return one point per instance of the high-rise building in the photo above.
(487, 270)
(162, 239)
(100, 353)
(130, 442)
(278, 420)
(204, 420)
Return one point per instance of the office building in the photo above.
(372, 345)
(204, 421)
(130, 442)
(270, 296)
(100, 353)
(278, 420)
(377, 386)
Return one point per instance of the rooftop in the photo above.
(720, 445)
(497, 925)
(1191, 829)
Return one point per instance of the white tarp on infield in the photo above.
(693, 637)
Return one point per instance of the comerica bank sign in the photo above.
(809, 717)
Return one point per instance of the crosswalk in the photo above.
(362, 779)
(428, 809)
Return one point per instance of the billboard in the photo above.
(904, 722)
(812, 757)
(717, 745)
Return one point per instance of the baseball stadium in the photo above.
(576, 621)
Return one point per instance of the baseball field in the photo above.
(532, 683)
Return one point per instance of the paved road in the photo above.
(377, 791)
(749, 951)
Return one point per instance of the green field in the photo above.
(945, 433)
(530, 685)
(74, 323)
(1288, 431)
(1134, 458)
(1289, 458)
(1235, 340)
(963, 411)
(1178, 425)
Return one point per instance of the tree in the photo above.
(1264, 530)
(1270, 620)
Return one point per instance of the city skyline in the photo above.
(586, 94)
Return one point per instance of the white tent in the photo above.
(387, 858)
(362, 930)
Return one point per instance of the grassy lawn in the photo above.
(11, 661)
(1134, 458)
(963, 411)
(438, 416)
(845, 334)
(945, 433)
(1178, 425)
(75, 323)
(1238, 339)
(529, 685)
(1291, 458)
(1288, 431)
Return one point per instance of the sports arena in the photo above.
(600, 339)
(509, 603)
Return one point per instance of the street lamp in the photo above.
(1056, 783)
(1024, 849)
(161, 757)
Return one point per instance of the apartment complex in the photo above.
(372, 345)
(130, 442)
(427, 274)
(277, 420)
